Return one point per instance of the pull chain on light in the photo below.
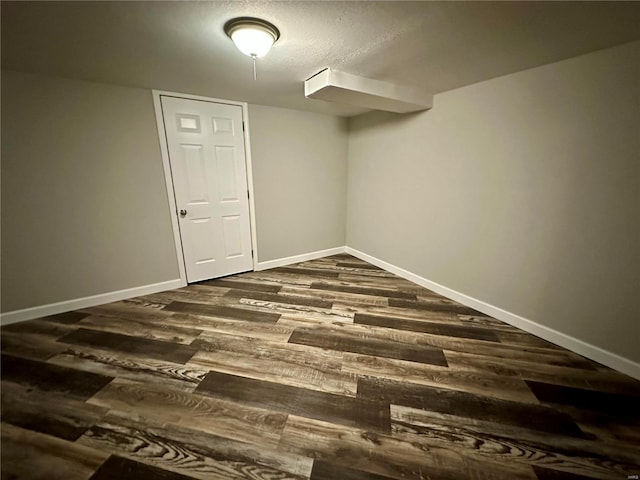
(255, 76)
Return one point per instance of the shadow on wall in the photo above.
(380, 118)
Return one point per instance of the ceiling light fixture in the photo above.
(253, 36)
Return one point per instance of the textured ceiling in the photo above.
(180, 46)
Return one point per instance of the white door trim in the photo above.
(169, 179)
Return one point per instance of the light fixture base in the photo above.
(240, 22)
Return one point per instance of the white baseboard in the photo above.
(280, 262)
(576, 345)
(92, 301)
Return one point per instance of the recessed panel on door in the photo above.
(193, 160)
(222, 125)
(188, 123)
(201, 231)
(232, 235)
(208, 171)
(227, 185)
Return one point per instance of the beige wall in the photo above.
(522, 192)
(300, 180)
(84, 206)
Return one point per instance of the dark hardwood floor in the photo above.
(328, 369)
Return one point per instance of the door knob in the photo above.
(183, 212)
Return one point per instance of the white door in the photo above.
(206, 153)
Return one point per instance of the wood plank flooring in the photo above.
(327, 369)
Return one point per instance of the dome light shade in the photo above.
(252, 41)
(253, 36)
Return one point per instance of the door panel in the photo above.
(207, 158)
(231, 225)
(193, 158)
(227, 183)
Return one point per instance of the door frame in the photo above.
(164, 150)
